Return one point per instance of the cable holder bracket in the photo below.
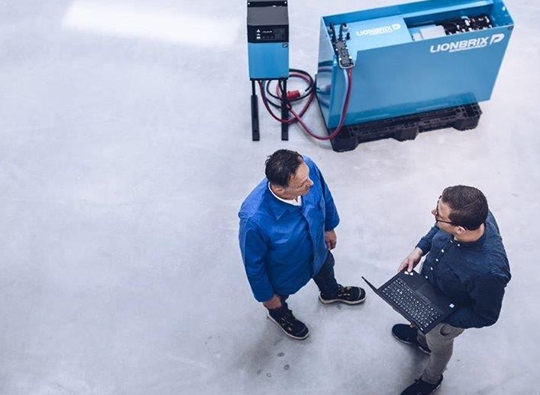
(339, 43)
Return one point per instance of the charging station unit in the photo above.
(399, 70)
(268, 52)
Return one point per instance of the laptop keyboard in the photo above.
(423, 313)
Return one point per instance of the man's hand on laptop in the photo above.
(411, 261)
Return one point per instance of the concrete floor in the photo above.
(125, 154)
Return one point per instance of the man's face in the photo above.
(300, 183)
(442, 216)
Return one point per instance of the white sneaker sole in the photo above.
(324, 301)
(284, 331)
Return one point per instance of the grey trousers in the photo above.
(440, 341)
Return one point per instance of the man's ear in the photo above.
(460, 230)
(278, 188)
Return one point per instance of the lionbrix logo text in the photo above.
(464, 45)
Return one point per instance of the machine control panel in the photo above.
(268, 34)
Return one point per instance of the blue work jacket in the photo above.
(283, 245)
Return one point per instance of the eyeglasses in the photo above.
(438, 218)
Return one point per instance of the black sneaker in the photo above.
(408, 335)
(348, 295)
(290, 325)
(421, 387)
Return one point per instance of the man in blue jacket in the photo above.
(467, 262)
(286, 233)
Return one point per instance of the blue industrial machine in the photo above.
(268, 39)
(400, 70)
(416, 58)
(268, 51)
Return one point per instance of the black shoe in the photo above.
(348, 295)
(290, 325)
(408, 335)
(421, 387)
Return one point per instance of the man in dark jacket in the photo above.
(286, 233)
(467, 262)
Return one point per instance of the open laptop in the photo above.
(415, 299)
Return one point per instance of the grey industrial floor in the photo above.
(125, 153)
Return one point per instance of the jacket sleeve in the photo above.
(332, 216)
(254, 246)
(425, 242)
(487, 295)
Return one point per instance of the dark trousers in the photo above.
(325, 280)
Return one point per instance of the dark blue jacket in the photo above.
(283, 245)
(473, 275)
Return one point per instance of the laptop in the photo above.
(415, 299)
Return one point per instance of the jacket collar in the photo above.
(276, 206)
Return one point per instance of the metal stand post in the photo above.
(255, 133)
(284, 112)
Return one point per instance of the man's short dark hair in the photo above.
(281, 166)
(468, 205)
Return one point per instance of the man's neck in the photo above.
(472, 236)
(283, 195)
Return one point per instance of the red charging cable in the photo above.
(278, 92)
(298, 117)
